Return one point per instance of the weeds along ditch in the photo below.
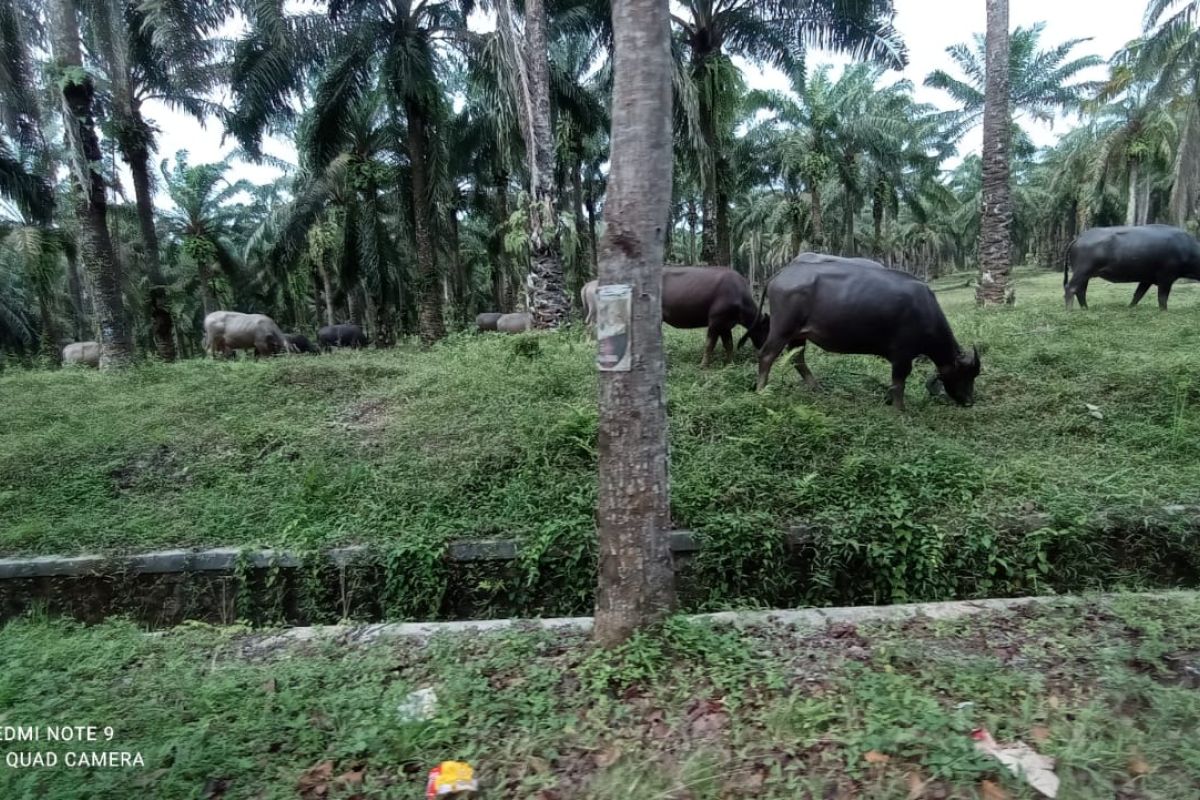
(1086, 427)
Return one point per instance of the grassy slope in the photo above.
(696, 713)
(477, 438)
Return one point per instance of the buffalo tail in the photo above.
(757, 316)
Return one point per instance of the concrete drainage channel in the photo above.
(225, 584)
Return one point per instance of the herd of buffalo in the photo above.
(843, 305)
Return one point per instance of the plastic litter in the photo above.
(1022, 760)
(418, 706)
(451, 778)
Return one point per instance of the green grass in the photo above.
(496, 435)
(1106, 688)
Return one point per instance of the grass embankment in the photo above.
(695, 713)
(496, 435)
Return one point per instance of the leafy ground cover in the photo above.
(1109, 688)
(492, 435)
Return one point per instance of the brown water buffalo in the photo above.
(587, 295)
(226, 331)
(514, 323)
(1148, 255)
(346, 334)
(843, 308)
(716, 298)
(487, 320)
(83, 353)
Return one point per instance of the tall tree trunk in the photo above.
(1131, 205)
(995, 230)
(326, 290)
(352, 307)
(430, 325)
(693, 217)
(708, 233)
(49, 334)
(724, 243)
(818, 226)
(161, 325)
(1143, 215)
(500, 260)
(79, 324)
(636, 579)
(91, 206)
(548, 302)
(580, 232)
(207, 301)
(590, 202)
(877, 222)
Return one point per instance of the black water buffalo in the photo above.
(844, 308)
(1147, 255)
(716, 298)
(300, 343)
(487, 320)
(518, 322)
(344, 335)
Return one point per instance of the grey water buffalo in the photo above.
(84, 353)
(343, 335)
(300, 343)
(843, 308)
(587, 296)
(226, 331)
(1148, 255)
(487, 320)
(514, 323)
(716, 298)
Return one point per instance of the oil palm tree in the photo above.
(995, 228)
(711, 31)
(400, 47)
(77, 93)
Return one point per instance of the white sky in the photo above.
(928, 28)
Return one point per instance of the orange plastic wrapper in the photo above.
(451, 778)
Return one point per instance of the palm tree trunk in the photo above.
(590, 202)
(91, 206)
(547, 293)
(161, 324)
(818, 229)
(877, 221)
(75, 287)
(430, 325)
(207, 301)
(577, 204)
(500, 259)
(995, 233)
(1131, 204)
(1144, 203)
(636, 584)
(724, 243)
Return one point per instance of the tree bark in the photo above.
(590, 202)
(1131, 205)
(636, 579)
(430, 324)
(77, 94)
(548, 301)
(207, 301)
(724, 245)
(580, 233)
(818, 228)
(75, 287)
(995, 234)
(161, 325)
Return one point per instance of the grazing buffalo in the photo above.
(344, 335)
(1147, 255)
(85, 353)
(844, 308)
(300, 343)
(514, 323)
(716, 298)
(587, 295)
(226, 331)
(487, 320)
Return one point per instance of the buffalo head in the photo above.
(958, 377)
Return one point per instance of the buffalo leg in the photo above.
(900, 373)
(1164, 291)
(1081, 295)
(1140, 292)
(727, 340)
(802, 367)
(708, 348)
(766, 359)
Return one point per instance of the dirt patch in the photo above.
(157, 469)
(368, 419)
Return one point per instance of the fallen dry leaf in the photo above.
(606, 757)
(993, 791)
(1138, 766)
(351, 778)
(314, 781)
(1039, 733)
(916, 786)
(1053, 701)
(876, 757)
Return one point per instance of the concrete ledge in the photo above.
(810, 619)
